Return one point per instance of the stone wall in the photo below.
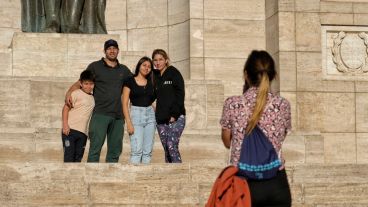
(324, 99)
(222, 34)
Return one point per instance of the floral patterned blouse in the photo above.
(275, 121)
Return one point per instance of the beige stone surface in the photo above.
(339, 112)
(319, 117)
(196, 38)
(286, 5)
(215, 99)
(291, 97)
(320, 193)
(329, 173)
(232, 38)
(314, 149)
(360, 7)
(307, 5)
(144, 14)
(196, 112)
(13, 110)
(296, 194)
(115, 15)
(362, 148)
(10, 14)
(57, 55)
(179, 46)
(224, 69)
(286, 31)
(293, 150)
(47, 49)
(197, 69)
(287, 71)
(148, 39)
(361, 112)
(360, 19)
(310, 78)
(308, 32)
(337, 18)
(336, 7)
(340, 147)
(184, 67)
(196, 8)
(178, 11)
(234, 9)
(6, 63)
(272, 34)
(271, 8)
(233, 88)
(361, 86)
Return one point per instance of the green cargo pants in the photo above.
(99, 127)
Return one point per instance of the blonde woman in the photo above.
(170, 110)
(258, 107)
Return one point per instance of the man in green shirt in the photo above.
(107, 118)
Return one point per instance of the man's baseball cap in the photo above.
(110, 43)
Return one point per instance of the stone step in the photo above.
(44, 145)
(187, 184)
(36, 102)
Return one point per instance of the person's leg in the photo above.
(68, 146)
(80, 145)
(136, 142)
(115, 140)
(97, 134)
(136, 139)
(163, 130)
(274, 192)
(148, 136)
(176, 129)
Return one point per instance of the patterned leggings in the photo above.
(170, 137)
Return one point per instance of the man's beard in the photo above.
(111, 59)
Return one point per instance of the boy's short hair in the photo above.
(87, 76)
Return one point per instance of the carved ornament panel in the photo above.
(345, 52)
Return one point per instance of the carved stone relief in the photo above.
(345, 53)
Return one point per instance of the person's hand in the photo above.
(130, 128)
(66, 130)
(172, 119)
(68, 99)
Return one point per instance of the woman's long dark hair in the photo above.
(149, 76)
(259, 71)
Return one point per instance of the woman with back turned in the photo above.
(259, 108)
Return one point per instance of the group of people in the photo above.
(107, 95)
(154, 98)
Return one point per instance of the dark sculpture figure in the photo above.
(65, 16)
(32, 15)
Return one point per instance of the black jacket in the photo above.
(170, 91)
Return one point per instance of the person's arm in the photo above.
(125, 101)
(68, 97)
(178, 83)
(65, 116)
(226, 124)
(226, 137)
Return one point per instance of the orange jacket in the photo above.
(229, 190)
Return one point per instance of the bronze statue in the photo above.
(65, 16)
(32, 15)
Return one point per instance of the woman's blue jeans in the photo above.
(141, 141)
